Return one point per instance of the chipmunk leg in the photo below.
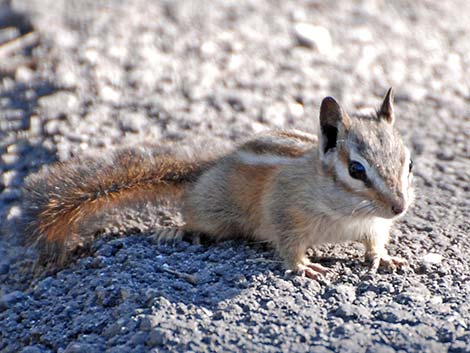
(294, 255)
(378, 256)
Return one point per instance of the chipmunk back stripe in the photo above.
(298, 135)
(263, 159)
(261, 147)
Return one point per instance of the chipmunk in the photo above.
(287, 188)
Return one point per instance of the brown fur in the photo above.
(247, 186)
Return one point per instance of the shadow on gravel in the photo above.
(10, 18)
(179, 272)
(18, 101)
(27, 159)
(22, 145)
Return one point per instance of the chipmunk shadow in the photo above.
(200, 275)
(181, 272)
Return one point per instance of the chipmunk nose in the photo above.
(398, 208)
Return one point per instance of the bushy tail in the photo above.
(66, 205)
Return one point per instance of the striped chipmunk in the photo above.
(286, 188)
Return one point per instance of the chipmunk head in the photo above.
(367, 159)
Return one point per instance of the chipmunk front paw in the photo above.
(313, 270)
(391, 263)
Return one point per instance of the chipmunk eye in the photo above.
(411, 166)
(357, 170)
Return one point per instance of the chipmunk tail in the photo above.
(68, 205)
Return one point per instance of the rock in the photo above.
(80, 348)
(33, 349)
(446, 332)
(10, 158)
(352, 312)
(342, 293)
(312, 36)
(410, 297)
(139, 338)
(395, 314)
(10, 299)
(133, 122)
(54, 106)
(431, 259)
(436, 300)
(44, 285)
(445, 154)
(24, 74)
(10, 178)
(107, 297)
(4, 268)
(275, 114)
(126, 293)
(35, 125)
(156, 338)
(361, 35)
(145, 324)
(377, 348)
(122, 348)
(460, 346)
(52, 127)
(296, 110)
(109, 94)
(270, 305)
(411, 93)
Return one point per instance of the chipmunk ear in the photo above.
(386, 110)
(332, 119)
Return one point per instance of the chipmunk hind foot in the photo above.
(179, 233)
(167, 234)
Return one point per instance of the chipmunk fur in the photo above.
(287, 188)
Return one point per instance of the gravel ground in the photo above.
(95, 75)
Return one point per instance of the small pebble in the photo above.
(432, 259)
(312, 36)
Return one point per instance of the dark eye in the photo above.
(357, 171)
(411, 165)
